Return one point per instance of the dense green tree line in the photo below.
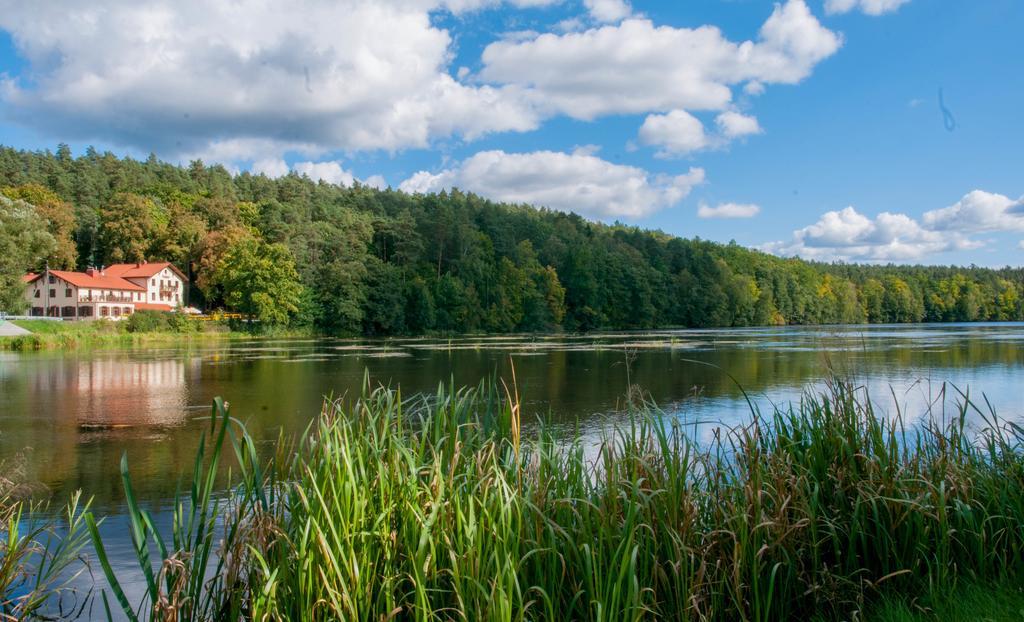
(383, 262)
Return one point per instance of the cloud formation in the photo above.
(868, 7)
(676, 133)
(577, 182)
(637, 67)
(680, 133)
(247, 82)
(848, 235)
(728, 210)
(609, 11)
(733, 124)
(978, 211)
(329, 171)
(191, 76)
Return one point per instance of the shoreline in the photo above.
(83, 335)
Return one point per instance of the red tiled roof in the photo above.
(90, 281)
(152, 306)
(28, 278)
(141, 270)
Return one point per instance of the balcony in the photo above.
(169, 288)
(109, 297)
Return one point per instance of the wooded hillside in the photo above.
(383, 262)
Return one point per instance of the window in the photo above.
(117, 311)
(67, 292)
(152, 296)
(104, 311)
(153, 282)
(37, 293)
(53, 293)
(85, 312)
(127, 311)
(52, 279)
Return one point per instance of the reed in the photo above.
(40, 556)
(443, 507)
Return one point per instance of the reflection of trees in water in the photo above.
(273, 389)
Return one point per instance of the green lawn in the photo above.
(50, 327)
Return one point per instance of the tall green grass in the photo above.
(441, 508)
(40, 557)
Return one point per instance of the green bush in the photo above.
(159, 322)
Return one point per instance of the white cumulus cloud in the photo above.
(728, 210)
(271, 167)
(869, 7)
(608, 10)
(677, 132)
(249, 80)
(852, 236)
(733, 124)
(848, 235)
(376, 181)
(573, 182)
(197, 77)
(978, 211)
(638, 67)
(329, 171)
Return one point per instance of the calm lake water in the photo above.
(67, 418)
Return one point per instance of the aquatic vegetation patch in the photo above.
(439, 507)
(444, 506)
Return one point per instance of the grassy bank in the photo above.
(441, 508)
(51, 335)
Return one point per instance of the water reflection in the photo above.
(116, 393)
(80, 411)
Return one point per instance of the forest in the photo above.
(359, 260)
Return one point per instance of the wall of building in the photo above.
(64, 295)
(164, 287)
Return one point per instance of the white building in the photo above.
(112, 292)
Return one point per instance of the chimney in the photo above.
(91, 271)
(102, 270)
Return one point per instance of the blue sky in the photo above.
(806, 127)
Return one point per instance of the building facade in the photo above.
(113, 292)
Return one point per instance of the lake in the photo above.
(66, 418)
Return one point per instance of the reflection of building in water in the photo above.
(117, 392)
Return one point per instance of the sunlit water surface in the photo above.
(67, 418)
